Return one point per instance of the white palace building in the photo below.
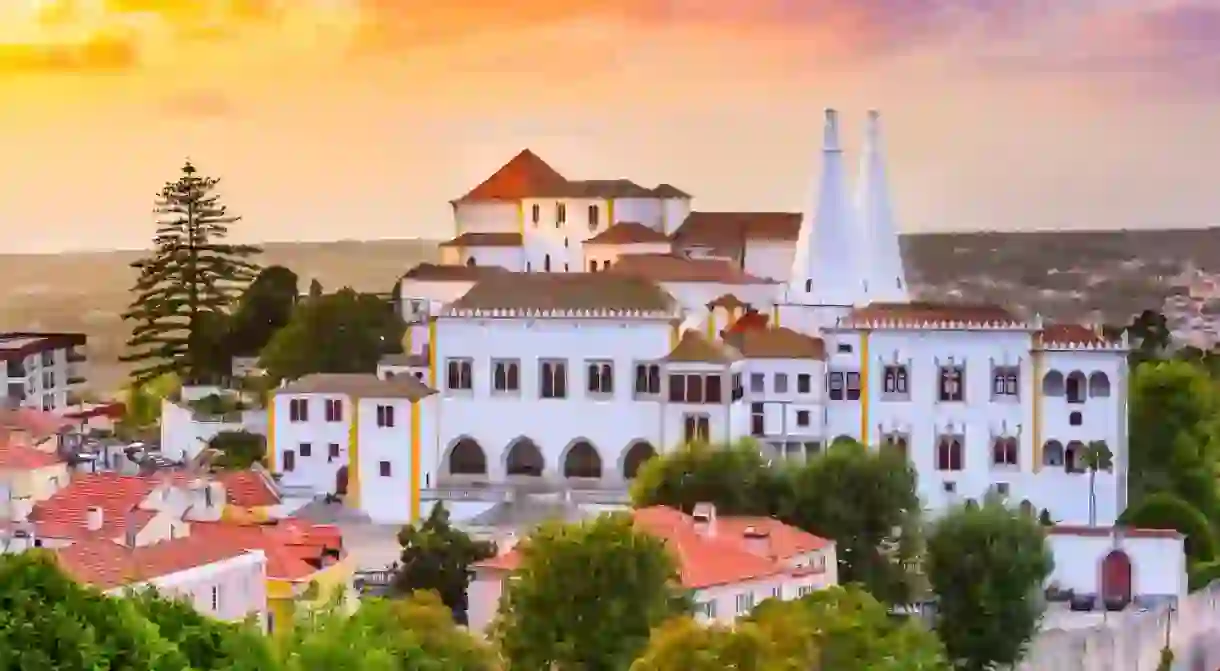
(578, 327)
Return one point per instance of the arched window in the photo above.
(1099, 385)
(1052, 453)
(1075, 387)
(470, 262)
(1052, 384)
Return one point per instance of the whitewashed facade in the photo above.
(566, 344)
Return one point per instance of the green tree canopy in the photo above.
(343, 332)
(1165, 510)
(682, 644)
(586, 596)
(735, 478)
(864, 499)
(50, 623)
(207, 643)
(238, 450)
(987, 565)
(264, 308)
(415, 634)
(184, 288)
(437, 556)
(1174, 439)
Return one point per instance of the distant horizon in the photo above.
(369, 117)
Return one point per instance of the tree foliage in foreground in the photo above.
(864, 499)
(987, 565)
(413, 634)
(239, 450)
(343, 332)
(836, 629)
(184, 288)
(586, 596)
(437, 556)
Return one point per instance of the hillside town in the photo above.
(613, 431)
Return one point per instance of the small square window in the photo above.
(384, 469)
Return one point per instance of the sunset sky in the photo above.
(362, 118)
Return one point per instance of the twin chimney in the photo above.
(704, 518)
(94, 517)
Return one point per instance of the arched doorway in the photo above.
(341, 481)
(582, 461)
(1116, 579)
(637, 454)
(524, 458)
(467, 457)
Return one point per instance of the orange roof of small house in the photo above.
(704, 559)
(15, 456)
(628, 233)
(107, 564)
(693, 347)
(295, 548)
(667, 267)
(776, 343)
(1072, 334)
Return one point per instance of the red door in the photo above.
(1116, 577)
(341, 482)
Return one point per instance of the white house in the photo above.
(358, 436)
(529, 361)
(730, 564)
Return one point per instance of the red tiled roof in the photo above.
(677, 268)
(726, 231)
(18, 457)
(918, 313)
(484, 240)
(63, 515)
(38, 423)
(1071, 334)
(106, 564)
(523, 176)
(248, 489)
(749, 321)
(709, 560)
(437, 272)
(627, 233)
(294, 548)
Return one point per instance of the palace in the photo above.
(578, 327)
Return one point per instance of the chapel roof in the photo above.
(627, 233)
(727, 231)
(361, 385)
(526, 175)
(564, 292)
(678, 268)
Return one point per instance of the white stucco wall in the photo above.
(184, 433)
(770, 259)
(485, 217)
(1158, 564)
(239, 585)
(317, 471)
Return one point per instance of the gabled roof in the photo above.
(565, 292)
(524, 175)
(627, 233)
(295, 549)
(484, 240)
(729, 230)
(706, 560)
(18, 457)
(918, 313)
(106, 564)
(366, 385)
(1072, 334)
(528, 176)
(694, 348)
(679, 268)
(776, 343)
(727, 301)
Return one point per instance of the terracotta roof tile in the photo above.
(436, 272)
(776, 343)
(295, 549)
(484, 240)
(18, 457)
(106, 564)
(627, 233)
(38, 423)
(677, 268)
(1072, 334)
(693, 347)
(566, 291)
(358, 384)
(523, 176)
(920, 313)
(709, 560)
(248, 489)
(726, 231)
(528, 176)
(63, 515)
(752, 320)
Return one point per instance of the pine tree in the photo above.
(187, 284)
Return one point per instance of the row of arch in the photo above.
(1075, 386)
(523, 458)
(1070, 457)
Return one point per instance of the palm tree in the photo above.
(1097, 457)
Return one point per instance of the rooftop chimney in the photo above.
(94, 518)
(757, 541)
(704, 518)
